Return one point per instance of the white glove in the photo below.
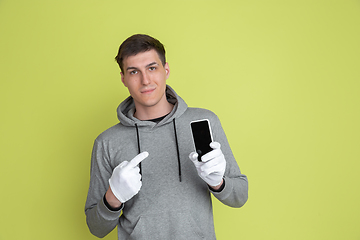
(125, 181)
(212, 166)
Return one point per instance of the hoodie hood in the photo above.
(126, 110)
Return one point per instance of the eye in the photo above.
(133, 72)
(152, 68)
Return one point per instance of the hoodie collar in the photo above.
(126, 110)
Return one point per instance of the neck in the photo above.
(153, 112)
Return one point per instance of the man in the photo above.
(142, 180)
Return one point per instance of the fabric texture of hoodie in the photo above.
(173, 202)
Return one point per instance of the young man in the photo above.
(142, 180)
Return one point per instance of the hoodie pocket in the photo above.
(168, 225)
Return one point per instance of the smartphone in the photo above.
(202, 136)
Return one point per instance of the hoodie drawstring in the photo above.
(177, 147)
(177, 150)
(138, 141)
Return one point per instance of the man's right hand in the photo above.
(125, 181)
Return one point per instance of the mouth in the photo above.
(147, 91)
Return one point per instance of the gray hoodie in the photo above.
(173, 202)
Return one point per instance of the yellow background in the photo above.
(282, 75)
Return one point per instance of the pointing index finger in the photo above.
(136, 160)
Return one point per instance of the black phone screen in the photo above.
(202, 137)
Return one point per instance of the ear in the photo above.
(167, 70)
(123, 79)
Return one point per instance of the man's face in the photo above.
(145, 77)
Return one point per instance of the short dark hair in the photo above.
(139, 43)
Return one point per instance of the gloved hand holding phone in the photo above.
(212, 166)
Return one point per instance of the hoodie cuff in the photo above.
(110, 207)
(107, 213)
(225, 190)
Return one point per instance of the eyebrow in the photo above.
(153, 63)
(135, 68)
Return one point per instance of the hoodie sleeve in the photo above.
(235, 192)
(99, 218)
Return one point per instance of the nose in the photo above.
(145, 79)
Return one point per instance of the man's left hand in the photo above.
(212, 166)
